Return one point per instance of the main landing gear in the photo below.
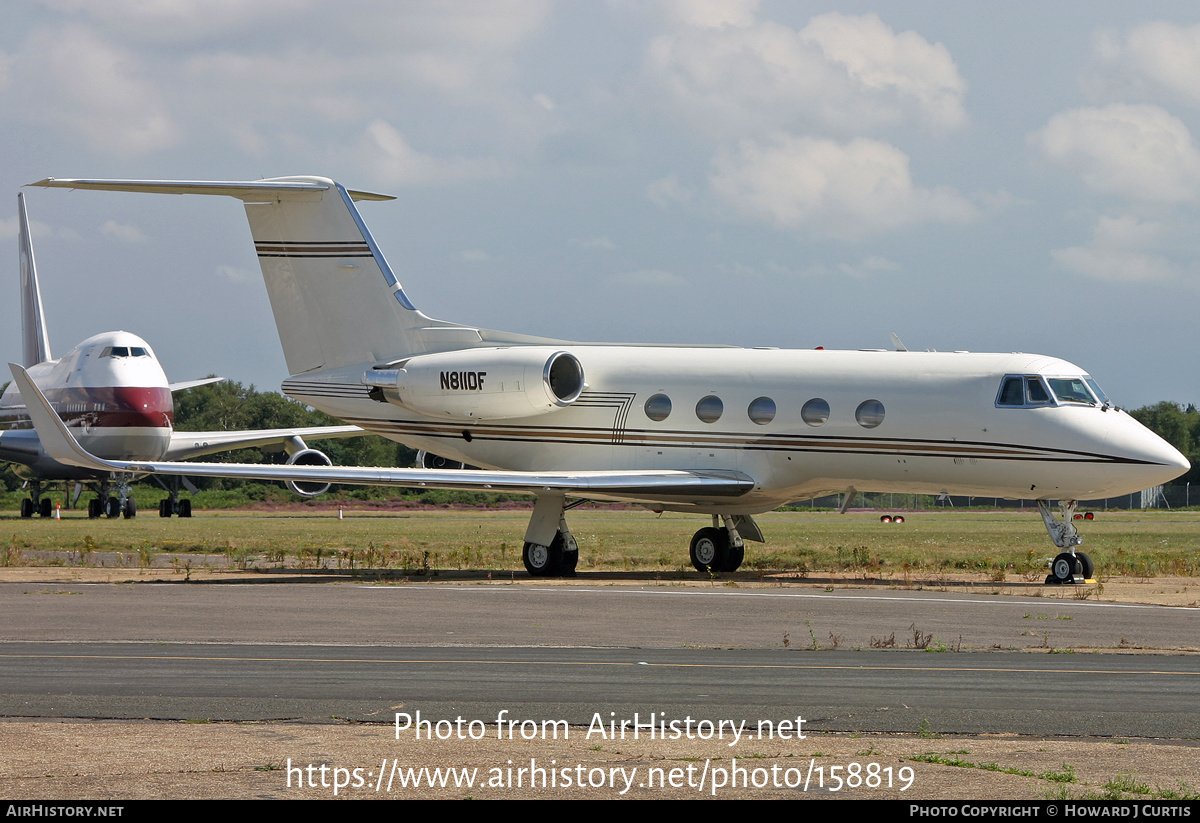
(35, 503)
(1070, 566)
(550, 549)
(722, 549)
(113, 506)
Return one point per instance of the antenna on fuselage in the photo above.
(35, 343)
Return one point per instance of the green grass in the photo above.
(1125, 543)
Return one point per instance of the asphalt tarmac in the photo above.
(846, 660)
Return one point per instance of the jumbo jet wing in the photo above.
(675, 486)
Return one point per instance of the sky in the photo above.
(1011, 176)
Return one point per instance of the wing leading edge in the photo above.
(649, 486)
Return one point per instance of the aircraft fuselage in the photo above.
(803, 423)
(111, 391)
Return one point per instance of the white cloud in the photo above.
(1140, 152)
(1152, 58)
(648, 278)
(710, 14)
(846, 190)
(393, 161)
(601, 242)
(667, 190)
(124, 233)
(842, 72)
(1119, 252)
(102, 92)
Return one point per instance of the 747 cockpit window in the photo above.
(124, 351)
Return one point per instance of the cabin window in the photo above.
(762, 410)
(709, 409)
(658, 407)
(815, 412)
(869, 414)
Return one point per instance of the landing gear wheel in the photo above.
(185, 508)
(898, 518)
(130, 508)
(1066, 567)
(95, 508)
(112, 508)
(710, 549)
(45, 508)
(1089, 569)
(164, 507)
(885, 518)
(27, 508)
(542, 561)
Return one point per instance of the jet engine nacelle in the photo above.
(308, 457)
(482, 384)
(428, 460)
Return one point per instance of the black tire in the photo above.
(130, 508)
(95, 508)
(898, 518)
(885, 518)
(710, 549)
(1066, 567)
(164, 507)
(543, 561)
(27, 508)
(569, 561)
(45, 507)
(112, 508)
(185, 508)
(734, 558)
(1089, 568)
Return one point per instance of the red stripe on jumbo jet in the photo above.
(115, 406)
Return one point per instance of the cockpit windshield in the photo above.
(124, 351)
(1035, 390)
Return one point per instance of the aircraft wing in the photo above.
(649, 486)
(185, 445)
(191, 384)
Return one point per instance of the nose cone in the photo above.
(1144, 458)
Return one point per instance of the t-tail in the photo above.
(336, 300)
(35, 343)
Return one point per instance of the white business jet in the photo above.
(725, 432)
(113, 393)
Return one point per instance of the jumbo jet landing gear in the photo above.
(717, 549)
(550, 549)
(35, 503)
(1070, 566)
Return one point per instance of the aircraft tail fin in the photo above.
(335, 298)
(35, 342)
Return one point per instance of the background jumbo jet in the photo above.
(114, 394)
(725, 432)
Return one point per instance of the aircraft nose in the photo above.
(1147, 459)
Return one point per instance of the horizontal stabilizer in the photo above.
(250, 190)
